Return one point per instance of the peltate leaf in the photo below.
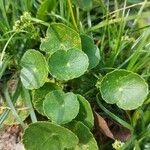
(59, 36)
(91, 50)
(34, 70)
(86, 139)
(61, 107)
(66, 65)
(85, 114)
(39, 95)
(127, 89)
(48, 136)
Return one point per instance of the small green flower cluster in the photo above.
(117, 145)
(23, 22)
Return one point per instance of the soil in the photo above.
(10, 138)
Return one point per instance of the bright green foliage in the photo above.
(59, 36)
(108, 35)
(48, 136)
(66, 65)
(39, 95)
(46, 7)
(34, 69)
(61, 107)
(84, 4)
(86, 139)
(91, 50)
(85, 112)
(128, 90)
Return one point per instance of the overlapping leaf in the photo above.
(66, 65)
(91, 50)
(86, 139)
(85, 112)
(34, 69)
(61, 107)
(48, 136)
(39, 95)
(59, 36)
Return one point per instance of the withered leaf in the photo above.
(103, 126)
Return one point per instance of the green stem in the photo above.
(59, 17)
(89, 19)
(113, 116)
(78, 16)
(129, 115)
(61, 9)
(27, 97)
(89, 91)
(4, 49)
(40, 21)
(72, 15)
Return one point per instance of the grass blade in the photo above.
(138, 51)
(113, 116)
(116, 20)
(14, 99)
(10, 104)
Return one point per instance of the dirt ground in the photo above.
(10, 138)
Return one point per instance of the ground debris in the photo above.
(10, 138)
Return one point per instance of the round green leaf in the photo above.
(127, 89)
(91, 50)
(34, 69)
(59, 36)
(85, 114)
(66, 65)
(48, 136)
(39, 95)
(61, 107)
(86, 138)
